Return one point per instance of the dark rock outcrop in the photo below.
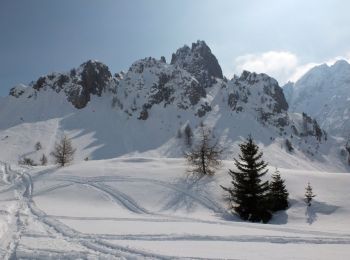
(17, 91)
(270, 88)
(199, 61)
(95, 77)
(91, 78)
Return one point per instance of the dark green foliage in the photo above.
(278, 194)
(249, 194)
(27, 161)
(38, 146)
(43, 160)
(289, 146)
(188, 135)
(347, 147)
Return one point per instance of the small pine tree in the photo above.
(43, 160)
(347, 147)
(63, 151)
(289, 145)
(204, 157)
(309, 195)
(278, 194)
(249, 194)
(27, 161)
(38, 146)
(188, 135)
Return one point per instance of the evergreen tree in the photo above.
(278, 194)
(43, 160)
(188, 135)
(38, 146)
(204, 157)
(347, 147)
(289, 145)
(249, 194)
(63, 151)
(309, 195)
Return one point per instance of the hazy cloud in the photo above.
(282, 65)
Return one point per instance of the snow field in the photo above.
(139, 208)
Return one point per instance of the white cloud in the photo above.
(299, 71)
(282, 65)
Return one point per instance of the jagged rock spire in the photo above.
(199, 61)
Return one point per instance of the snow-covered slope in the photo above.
(148, 208)
(144, 111)
(324, 93)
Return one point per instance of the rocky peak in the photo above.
(323, 93)
(150, 82)
(267, 86)
(146, 63)
(95, 76)
(17, 91)
(199, 61)
(90, 78)
(94, 79)
(258, 94)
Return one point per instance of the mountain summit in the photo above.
(199, 61)
(323, 92)
(146, 109)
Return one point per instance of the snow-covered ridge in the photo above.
(90, 78)
(323, 93)
(143, 109)
(199, 61)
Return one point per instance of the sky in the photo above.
(283, 38)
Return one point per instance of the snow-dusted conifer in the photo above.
(38, 146)
(347, 147)
(309, 195)
(278, 194)
(43, 160)
(248, 195)
(188, 135)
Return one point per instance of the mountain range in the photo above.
(145, 110)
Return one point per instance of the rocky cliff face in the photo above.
(90, 78)
(199, 61)
(188, 91)
(258, 94)
(151, 82)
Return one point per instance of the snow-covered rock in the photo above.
(145, 109)
(91, 78)
(324, 93)
(199, 61)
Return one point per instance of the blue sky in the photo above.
(282, 38)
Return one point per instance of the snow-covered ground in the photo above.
(138, 208)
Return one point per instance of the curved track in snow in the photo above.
(105, 246)
(95, 247)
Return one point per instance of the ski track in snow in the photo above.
(97, 246)
(203, 200)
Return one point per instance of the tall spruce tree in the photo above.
(249, 193)
(278, 194)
